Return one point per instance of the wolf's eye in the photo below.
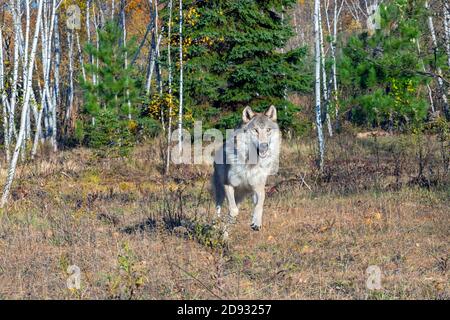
(269, 131)
(255, 130)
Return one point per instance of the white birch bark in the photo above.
(47, 84)
(56, 77)
(12, 109)
(337, 9)
(447, 30)
(317, 84)
(124, 31)
(21, 135)
(153, 56)
(430, 93)
(97, 44)
(80, 56)
(180, 108)
(169, 60)
(24, 47)
(158, 54)
(154, 46)
(113, 8)
(3, 100)
(27, 39)
(151, 48)
(438, 69)
(71, 84)
(88, 33)
(326, 96)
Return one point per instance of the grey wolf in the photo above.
(243, 163)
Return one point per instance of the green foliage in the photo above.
(233, 58)
(381, 72)
(111, 100)
(129, 276)
(80, 132)
(110, 135)
(148, 127)
(208, 235)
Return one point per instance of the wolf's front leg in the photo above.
(258, 199)
(229, 192)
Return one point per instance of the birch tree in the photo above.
(97, 26)
(447, 30)
(438, 69)
(180, 108)
(430, 92)
(88, 33)
(16, 18)
(124, 34)
(51, 130)
(56, 75)
(154, 44)
(24, 43)
(337, 9)
(326, 96)
(317, 84)
(26, 102)
(71, 82)
(169, 62)
(4, 99)
(80, 56)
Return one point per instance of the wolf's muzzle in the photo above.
(262, 149)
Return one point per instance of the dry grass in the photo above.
(137, 234)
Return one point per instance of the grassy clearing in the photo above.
(136, 234)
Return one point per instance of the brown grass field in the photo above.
(137, 234)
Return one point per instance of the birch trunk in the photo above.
(12, 109)
(317, 85)
(180, 109)
(326, 97)
(56, 78)
(20, 137)
(154, 44)
(97, 45)
(25, 60)
(88, 33)
(157, 59)
(47, 84)
(438, 69)
(70, 95)
(334, 95)
(447, 30)
(124, 28)
(38, 119)
(430, 93)
(24, 47)
(169, 61)
(80, 57)
(113, 8)
(158, 56)
(4, 100)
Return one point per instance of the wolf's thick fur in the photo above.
(244, 162)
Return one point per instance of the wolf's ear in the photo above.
(247, 114)
(271, 113)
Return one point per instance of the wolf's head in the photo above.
(262, 128)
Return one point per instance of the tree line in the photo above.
(107, 74)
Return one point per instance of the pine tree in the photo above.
(111, 99)
(234, 58)
(383, 72)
